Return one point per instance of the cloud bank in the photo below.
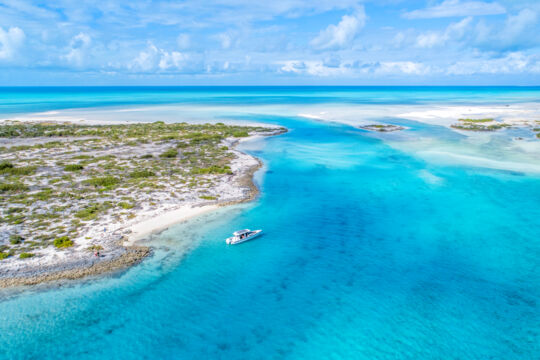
(283, 42)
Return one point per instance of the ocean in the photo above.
(375, 246)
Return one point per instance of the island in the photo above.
(485, 124)
(74, 197)
(382, 127)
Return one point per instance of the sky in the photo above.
(269, 42)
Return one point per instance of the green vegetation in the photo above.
(26, 255)
(73, 167)
(477, 120)
(126, 205)
(12, 187)
(480, 127)
(382, 127)
(214, 169)
(63, 242)
(52, 196)
(103, 181)
(4, 165)
(240, 133)
(171, 153)
(3, 255)
(91, 212)
(139, 174)
(7, 168)
(15, 239)
(207, 197)
(44, 194)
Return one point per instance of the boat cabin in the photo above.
(240, 234)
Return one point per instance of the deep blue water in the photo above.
(369, 253)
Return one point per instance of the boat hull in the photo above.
(234, 241)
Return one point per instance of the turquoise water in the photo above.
(16, 100)
(369, 252)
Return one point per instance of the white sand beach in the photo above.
(159, 222)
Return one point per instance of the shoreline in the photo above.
(155, 225)
(126, 252)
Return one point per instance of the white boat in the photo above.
(242, 235)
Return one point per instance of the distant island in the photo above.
(485, 124)
(382, 127)
(75, 197)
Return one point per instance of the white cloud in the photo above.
(516, 33)
(10, 42)
(171, 60)
(453, 32)
(513, 63)
(146, 60)
(312, 67)
(516, 24)
(352, 68)
(340, 35)
(402, 67)
(155, 59)
(451, 8)
(78, 48)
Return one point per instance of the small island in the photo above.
(382, 127)
(73, 195)
(485, 124)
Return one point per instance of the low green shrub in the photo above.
(89, 213)
(5, 165)
(240, 133)
(126, 205)
(44, 194)
(73, 167)
(103, 181)
(477, 120)
(15, 239)
(12, 187)
(81, 157)
(11, 170)
(207, 197)
(214, 169)
(26, 255)
(171, 153)
(63, 242)
(138, 174)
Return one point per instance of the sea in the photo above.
(417, 244)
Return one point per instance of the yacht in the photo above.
(242, 235)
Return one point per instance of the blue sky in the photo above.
(288, 42)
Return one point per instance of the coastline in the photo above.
(126, 252)
(154, 225)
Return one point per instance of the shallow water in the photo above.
(369, 252)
